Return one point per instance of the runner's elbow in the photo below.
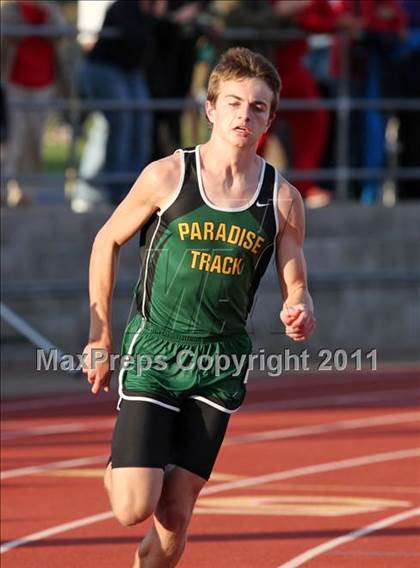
(105, 239)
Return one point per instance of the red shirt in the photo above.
(375, 15)
(319, 17)
(33, 65)
(383, 16)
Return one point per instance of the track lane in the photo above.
(262, 535)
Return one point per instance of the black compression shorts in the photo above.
(149, 435)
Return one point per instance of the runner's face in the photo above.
(242, 111)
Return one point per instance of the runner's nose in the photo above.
(245, 113)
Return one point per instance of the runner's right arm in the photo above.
(149, 193)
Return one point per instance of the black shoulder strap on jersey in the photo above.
(267, 188)
(190, 168)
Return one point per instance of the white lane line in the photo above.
(340, 425)
(55, 530)
(105, 423)
(57, 429)
(283, 433)
(243, 439)
(52, 465)
(396, 395)
(332, 400)
(251, 481)
(312, 469)
(329, 545)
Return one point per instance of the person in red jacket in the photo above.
(379, 26)
(309, 128)
(32, 66)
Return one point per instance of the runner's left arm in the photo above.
(297, 313)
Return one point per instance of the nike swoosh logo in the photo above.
(262, 204)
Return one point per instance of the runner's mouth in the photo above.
(242, 130)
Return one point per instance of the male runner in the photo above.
(210, 218)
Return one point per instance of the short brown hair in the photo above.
(242, 63)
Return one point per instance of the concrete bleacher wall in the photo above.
(364, 266)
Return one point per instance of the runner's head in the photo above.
(239, 63)
(243, 91)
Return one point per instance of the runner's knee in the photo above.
(135, 493)
(131, 513)
(174, 516)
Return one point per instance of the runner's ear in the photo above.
(270, 121)
(209, 112)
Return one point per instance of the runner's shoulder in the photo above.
(286, 190)
(163, 175)
(289, 203)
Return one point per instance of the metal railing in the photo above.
(342, 105)
(34, 337)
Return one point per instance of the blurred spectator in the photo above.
(3, 116)
(249, 14)
(308, 128)
(115, 69)
(86, 195)
(3, 136)
(92, 126)
(32, 67)
(378, 26)
(258, 15)
(409, 87)
(171, 73)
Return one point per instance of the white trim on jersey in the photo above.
(276, 217)
(227, 209)
(124, 396)
(276, 199)
(180, 184)
(129, 352)
(152, 401)
(213, 404)
(276, 213)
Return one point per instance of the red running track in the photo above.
(317, 469)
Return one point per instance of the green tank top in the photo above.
(201, 264)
